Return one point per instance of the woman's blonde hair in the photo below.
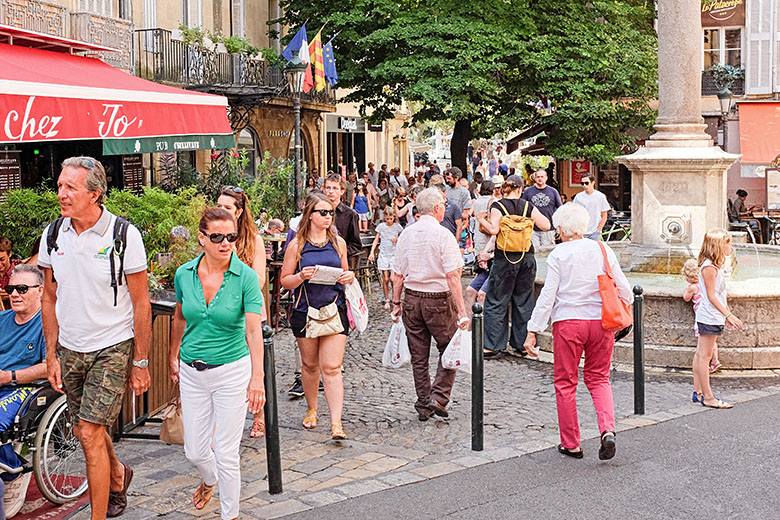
(690, 270)
(713, 247)
(245, 225)
(390, 212)
(304, 228)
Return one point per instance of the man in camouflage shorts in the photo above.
(98, 328)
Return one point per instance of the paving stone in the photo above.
(335, 481)
(301, 484)
(400, 478)
(370, 456)
(470, 461)
(384, 464)
(322, 498)
(288, 507)
(362, 487)
(327, 473)
(437, 470)
(359, 473)
(350, 464)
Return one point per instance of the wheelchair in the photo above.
(43, 439)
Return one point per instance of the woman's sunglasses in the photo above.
(217, 238)
(325, 212)
(20, 288)
(234, 189)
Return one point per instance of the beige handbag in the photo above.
(324, 321)
(172, 428)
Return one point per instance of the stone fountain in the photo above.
(678, 194)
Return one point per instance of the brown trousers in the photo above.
(429, 315)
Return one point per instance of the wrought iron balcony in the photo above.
(160, 58)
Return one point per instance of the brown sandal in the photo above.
(310, 421)
(202, 495)
(258, 429)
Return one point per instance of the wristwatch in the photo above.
(143, 363)
(13, 378)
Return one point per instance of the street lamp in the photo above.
(296, 74)
(724, 96)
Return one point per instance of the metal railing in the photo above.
(161, 58)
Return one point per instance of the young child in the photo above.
(692, 293)
(362, 206)
(713, 312)
(386, 236)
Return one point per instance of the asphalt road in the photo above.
(714, 465)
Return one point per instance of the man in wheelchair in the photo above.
(22, 361)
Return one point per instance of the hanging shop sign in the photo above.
(720, 13)
(174, 143)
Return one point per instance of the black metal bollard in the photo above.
(273, 455)
(639, 352)
(477, 379)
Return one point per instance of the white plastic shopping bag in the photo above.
(357, 304)
(396, 353)
(457, 355)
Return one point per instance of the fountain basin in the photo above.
(753, 295)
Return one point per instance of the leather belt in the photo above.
(200, 366)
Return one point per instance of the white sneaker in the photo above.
(15, 492)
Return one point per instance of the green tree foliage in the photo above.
(24, 215)
(485, 63)
(272, 189)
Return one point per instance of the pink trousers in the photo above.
(570, 339)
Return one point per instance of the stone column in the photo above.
(680, 47)
(678, 177)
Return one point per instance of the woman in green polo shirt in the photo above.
(218, 365)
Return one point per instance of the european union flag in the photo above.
(329, 62)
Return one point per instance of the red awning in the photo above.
(759, 132)
(51, 96)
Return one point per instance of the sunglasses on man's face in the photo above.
(21, 288)
(586, 183)
(217, 238)
(325, 212)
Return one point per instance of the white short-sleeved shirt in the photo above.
(595, 203)
(424, 254)
(87, 317)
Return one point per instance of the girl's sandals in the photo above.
(310, 421)
(718, 404)
(577, 453)
(715, 367)
(337, 433)
(202, 495)
(258, 429)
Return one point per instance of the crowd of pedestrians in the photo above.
(93, 310)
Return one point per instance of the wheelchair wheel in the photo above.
(58, 461)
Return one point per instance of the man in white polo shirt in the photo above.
(97, 327)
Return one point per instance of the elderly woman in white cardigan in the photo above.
(571, 298)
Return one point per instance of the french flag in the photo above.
(298, 46)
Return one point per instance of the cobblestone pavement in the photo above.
(387, 445)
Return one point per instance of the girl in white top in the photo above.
(713, 312)
(387, 237)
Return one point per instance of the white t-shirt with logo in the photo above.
(87, 317)
(595, 203)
